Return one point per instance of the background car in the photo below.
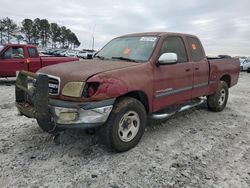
(71, 53)
(244, 64)
(82, 54)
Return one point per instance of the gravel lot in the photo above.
(197, 148)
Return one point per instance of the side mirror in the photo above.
(167, 58)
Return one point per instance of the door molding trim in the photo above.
(171, 91)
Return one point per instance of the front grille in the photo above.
(54, 85)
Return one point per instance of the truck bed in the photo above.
(222, 66)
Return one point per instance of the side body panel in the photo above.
(9, 66)
(223, 67)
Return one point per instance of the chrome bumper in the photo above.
(76, 116)
(82, 115)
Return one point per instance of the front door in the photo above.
(11, 61)
(173, 83)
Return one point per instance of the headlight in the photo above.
(73, 89)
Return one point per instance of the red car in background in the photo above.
(16, 57)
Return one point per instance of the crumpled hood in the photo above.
(82, 70)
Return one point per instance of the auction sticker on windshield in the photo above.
(148, 39)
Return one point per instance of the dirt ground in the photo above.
(197, 148)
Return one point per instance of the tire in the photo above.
(218, 100)
(125, 125)
(248, 70)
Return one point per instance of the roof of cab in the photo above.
(159, 34)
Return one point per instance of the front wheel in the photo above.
(125, 125)
(218, 100)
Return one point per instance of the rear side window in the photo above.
(196, 49)
(32, 52)
(175, 45)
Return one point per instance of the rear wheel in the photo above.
(218, 100)
(125, 125)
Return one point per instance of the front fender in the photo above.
(109, 87)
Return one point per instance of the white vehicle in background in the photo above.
(244, 64)
(71, 53)
(86, 54)
(82, 54)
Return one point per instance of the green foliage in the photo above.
(55, 33)
(39, 30)
(8, 26)
(36, 30)
(44, 31)
(27, 25)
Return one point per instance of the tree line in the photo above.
(39, 30)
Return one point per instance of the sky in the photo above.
(223, 26)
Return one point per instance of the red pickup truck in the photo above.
(130, 78)
(15, 57)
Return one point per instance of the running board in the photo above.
(171, 112)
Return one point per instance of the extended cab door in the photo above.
(201, 67)
(33, 59)
(173, 82)
(12, 60)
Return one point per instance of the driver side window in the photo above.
(14, 53)
(174, 44)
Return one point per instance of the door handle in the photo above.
(196, 68)
(187, 70)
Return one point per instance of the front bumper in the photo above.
(81, 115)
(33, 102)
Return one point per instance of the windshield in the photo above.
(129, 48)
(1, 47)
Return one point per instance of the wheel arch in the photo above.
(140, 96)
(226, 78)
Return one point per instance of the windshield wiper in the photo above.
(125, 59)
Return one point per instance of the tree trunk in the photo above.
(8, 37)
(1, 37)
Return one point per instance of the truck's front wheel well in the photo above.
(227, 79)
(140, 96)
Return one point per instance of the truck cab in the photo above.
(15, 58)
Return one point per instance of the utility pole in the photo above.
(93, 42)
(93, 38)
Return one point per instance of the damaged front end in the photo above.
(32, 98)
(33, 101)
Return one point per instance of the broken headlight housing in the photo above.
(73, 89)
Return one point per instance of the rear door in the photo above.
(201, 67)
(173, 82)
(12, 60)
